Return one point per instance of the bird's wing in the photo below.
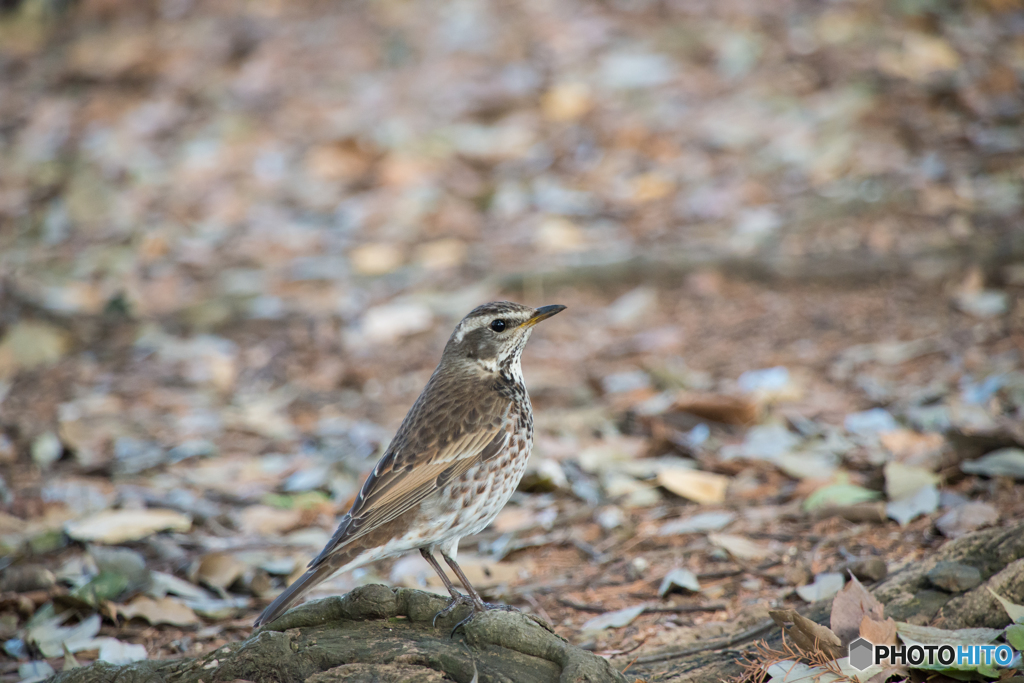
(412, 469)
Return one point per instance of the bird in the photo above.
(452, 465)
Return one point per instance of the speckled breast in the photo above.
(478, 496)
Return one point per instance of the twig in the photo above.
(761, 569)
(543, 587)
(685, 609)
(590, 551)
(720, 644)
(631, 663)
(720, 574)
(648, 609)
(619, 653)
(537, 608)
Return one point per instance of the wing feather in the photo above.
(406, 475)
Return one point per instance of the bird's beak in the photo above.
(542, 313)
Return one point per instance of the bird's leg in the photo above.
(457, 597)
(478, 604)
(432, 561)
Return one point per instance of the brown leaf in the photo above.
(878, 632)
(700, 487)
(163, 611)
(735, 410)
(912, 447)
(264, 520)
(808, 635)
(740, 547)
(850, 607)
(117, 526)
(217, 570)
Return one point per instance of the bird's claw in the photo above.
(477, 609)
(455, 602)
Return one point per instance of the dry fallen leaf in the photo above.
(617, 619)
(375, 258)
(913, 448)
(162, 611)
(735, 410)
(567, 101)
(851, 605)
(28, 344)
(739, 547)
(700, 487)
(877, 631)
(680, 577)
(808, 635)
(902, 481)
(117, 526)
(966, 518)
(824, 586)
(264, 520)
(217, 570)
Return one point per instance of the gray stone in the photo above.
(954, 577)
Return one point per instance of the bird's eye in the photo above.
(498, 325)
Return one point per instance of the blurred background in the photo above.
(234, 237)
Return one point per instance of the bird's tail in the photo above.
(294, 592)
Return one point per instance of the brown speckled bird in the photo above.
(453, 464)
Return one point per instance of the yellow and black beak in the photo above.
(542, 313)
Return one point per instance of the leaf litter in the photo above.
(172, 386)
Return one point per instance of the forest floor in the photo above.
(234, 238)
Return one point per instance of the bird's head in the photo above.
(492, 336)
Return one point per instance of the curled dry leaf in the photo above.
(700, 487)
(162, 611)
(824, 587)
(218, 570)
(117, 651)
(877, 631)
(902, 481)
(808, 635)
(735, 410)
(924, 501)
(117, 526)
(51, 639)
(739, 547)
(679, 578)
(264, 520)
(852, 604)
(966, 518)
(616, 619)
(912, 447)
(1005, 462)
(705, 521)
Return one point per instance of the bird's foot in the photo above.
(482, 607)
(456, 600)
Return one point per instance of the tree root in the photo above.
(377, 634)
